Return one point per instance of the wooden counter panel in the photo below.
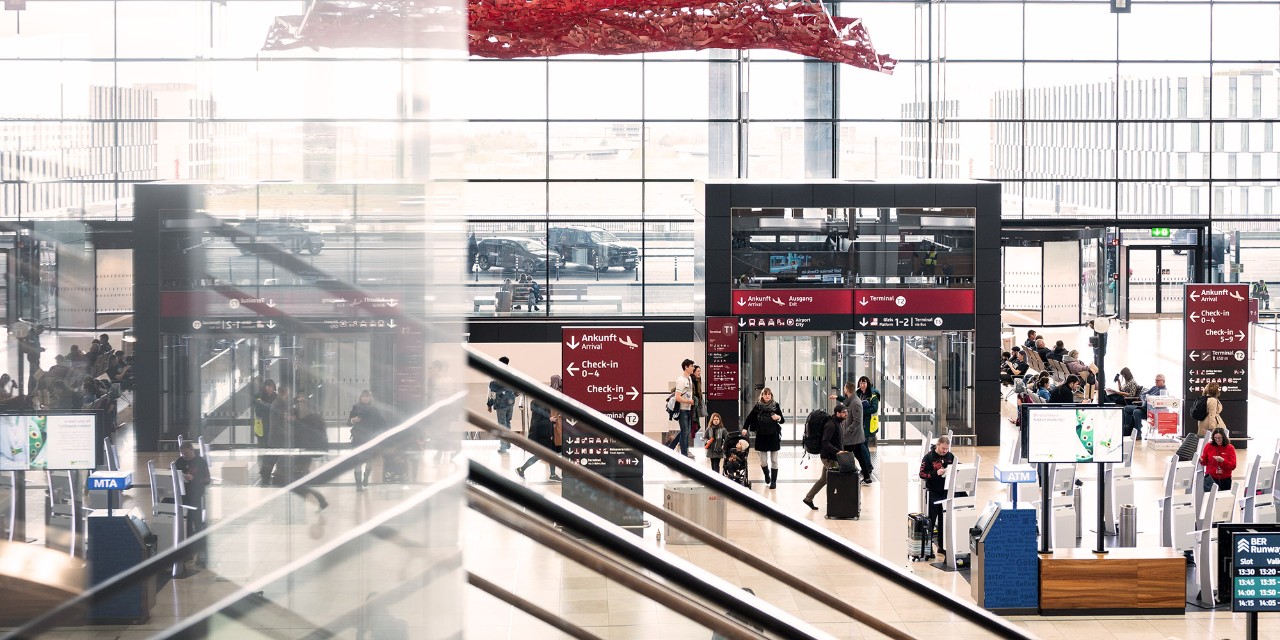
(1130, 579)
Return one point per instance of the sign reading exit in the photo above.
(1256, 579)
(1160, 232)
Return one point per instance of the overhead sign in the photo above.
(937, 309)
(1160, 232)
(603, 367)
(793, 309)
(226, 301)
(1256, 572)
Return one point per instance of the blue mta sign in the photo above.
(110, 480)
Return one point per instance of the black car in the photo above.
(521, 254)
(592, 246)
(292, 237)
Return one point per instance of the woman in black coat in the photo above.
(542, 430)
(765, 419)
(366, 423)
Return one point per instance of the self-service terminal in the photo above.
(1177, 508)
(1005, 574)
(960, 511)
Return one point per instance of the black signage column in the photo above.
(1216, 329)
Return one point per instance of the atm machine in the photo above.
(63, 514)
(1257, 502)
(1177, 508)
(1062, 508)
(1217, 507)
(960, 511)
(120, 540)
(1005, 576)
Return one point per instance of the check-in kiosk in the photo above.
(63, 515)
(1257, 503)
(1177, 508)
(1004, 576)
(1217, 507)
(117, 541)
(1062, 509)
(166, 509)
(960, 510)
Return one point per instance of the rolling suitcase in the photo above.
(919, 540)
(844, 495)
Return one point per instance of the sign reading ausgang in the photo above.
(603, 367)
(1256, 572)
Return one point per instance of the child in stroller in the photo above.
(736, 448)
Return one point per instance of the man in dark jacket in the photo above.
(262, 412)
(1066, 392)
(933, 470)
(196, 478)
(832, 445)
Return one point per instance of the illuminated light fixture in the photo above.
(1120, 6)
(128, 336)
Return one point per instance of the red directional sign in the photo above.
(604, 368)
(1216, 329)
(722, 358)
(934, 309)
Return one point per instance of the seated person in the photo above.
(1045, 353)
(1030, 343)
(1018, 363)
(1059, 351)
(1006, 368)
(1135, 413)
(1128, 391)
(1066, 392)
(1043, 387)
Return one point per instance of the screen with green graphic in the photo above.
(38, 441)
(1074, 433)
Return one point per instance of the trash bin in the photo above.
(1128, 536)
(695, 502)
(1075, 502)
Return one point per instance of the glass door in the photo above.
(1156, 278)
(797, 370)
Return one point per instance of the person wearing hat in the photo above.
(831, 446)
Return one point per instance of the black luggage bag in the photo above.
(919, 537)
(844, 495)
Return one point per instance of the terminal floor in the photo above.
(580, 596)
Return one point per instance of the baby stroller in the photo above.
(736, 448)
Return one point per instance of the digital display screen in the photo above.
(38, 441)
(1074, 433)
(789, 263)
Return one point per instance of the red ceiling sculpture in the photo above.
(536, 28)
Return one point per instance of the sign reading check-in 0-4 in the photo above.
(604, 368)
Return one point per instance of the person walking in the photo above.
(502, 400)
(683, 393)
(1213, 402)
(716, 435)
(541, 431)
(366, 423)
(765, 419)
(279, 436)
(309, 436)
(699, 408)
(832, 445)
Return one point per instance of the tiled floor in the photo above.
(287, 527)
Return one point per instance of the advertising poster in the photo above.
(1081, 433)
(47, 441)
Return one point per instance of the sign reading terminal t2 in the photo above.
(926, 309)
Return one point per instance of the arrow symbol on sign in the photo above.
(572, 343)
(863, 301)
(271, 303)
(1240, 336)
(742, 322)
(1194, 356)
(1195, 295)
(391, 323)
(634, 394)
(571, 421)
(392, 302)
(627, 341)
(1195, 317)
(863, 322)
(572, 369)
(271, 324)
(1242, 545)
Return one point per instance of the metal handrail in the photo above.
(842, 547)
(635, 501)
(628, 548)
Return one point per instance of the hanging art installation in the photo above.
(536, 28)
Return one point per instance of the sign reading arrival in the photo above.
(845, 309)
(1216, 333)
(793, 309)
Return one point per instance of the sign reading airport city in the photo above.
(722, 358)
(924, 309)
(1216, 330)
(792, 309)
(603, 367)
(1256, 572)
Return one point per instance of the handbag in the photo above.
(845, 462)
(257, 428)
(1208, 482)
(875, 424)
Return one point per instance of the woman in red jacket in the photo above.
(1219, 460)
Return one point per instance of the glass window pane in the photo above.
(593, 198)
(1067, 91)
(58, 29)
(680, 90)
(494, 149)
(506, 89)
(163, 29)
(504, 198)
(594, 149)
(964, 23)
(1070, 31)
(880, 150)
(594, 90)
(1165, 32)
(681, 150)
(972, 89)
(1245, 32)
(867, 95)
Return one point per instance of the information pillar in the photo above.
(1216, 330)
(603, 367)
(722, 367)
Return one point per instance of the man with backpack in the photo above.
(829, 444)
(502, 399)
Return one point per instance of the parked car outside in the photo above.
(295, 238)
(592, 246)
(522, 254)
